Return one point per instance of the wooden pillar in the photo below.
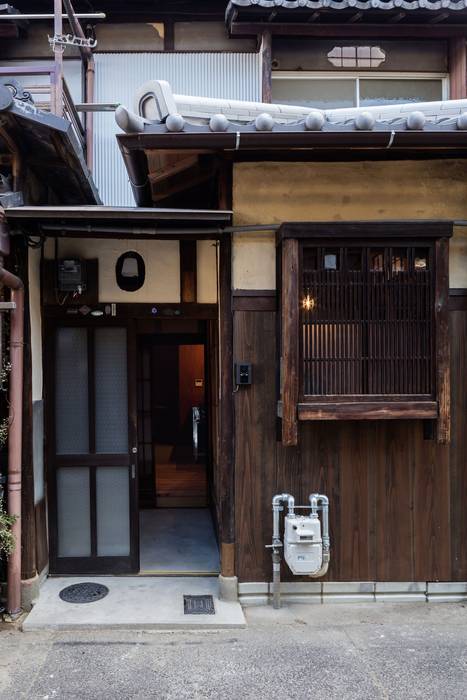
(443, 384)
(457, 68)
(290, 319)
(188, 272)
(226, 442)
(266, 66)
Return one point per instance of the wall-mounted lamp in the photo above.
(308, 302)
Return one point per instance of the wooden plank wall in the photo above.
(397, 501)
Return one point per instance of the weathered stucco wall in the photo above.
(162, 261)
(275, 192)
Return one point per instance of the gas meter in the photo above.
(303, 545)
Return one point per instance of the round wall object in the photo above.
(314, 121)
(462, 121)
(130, 271)
(364, 121)
(175, 122)
(416, 120)
(218, 122)
(264, 122)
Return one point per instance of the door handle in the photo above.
(134, 450)
(133, 471)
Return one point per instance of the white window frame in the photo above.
(366, 75)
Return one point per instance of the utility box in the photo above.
(303, 545)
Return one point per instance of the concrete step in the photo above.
(133, 602)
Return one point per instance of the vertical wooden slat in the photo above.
(188, 272)
(290, 340)
(457, 68)
(442, 340)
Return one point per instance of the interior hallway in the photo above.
(178, 540)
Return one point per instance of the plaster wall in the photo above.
(162, 261)
(275, 192)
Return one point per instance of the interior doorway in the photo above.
(177, 533)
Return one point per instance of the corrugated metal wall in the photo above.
(230, 75)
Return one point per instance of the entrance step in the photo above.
(133, 602)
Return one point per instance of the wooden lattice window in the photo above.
(364, 325)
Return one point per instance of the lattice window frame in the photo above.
(294, 405)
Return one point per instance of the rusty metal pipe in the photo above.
(15, 436)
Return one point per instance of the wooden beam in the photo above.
(290, 318)
(457, 68)
(442, 354)
(439, 18)
(188, 271)
(358, 31)
(396, 18)
(367, 410)
(266, 66)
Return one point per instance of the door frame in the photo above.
(92, 564)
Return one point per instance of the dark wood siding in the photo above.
(397, 501)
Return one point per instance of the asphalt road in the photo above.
(332, 651)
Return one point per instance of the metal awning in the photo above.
(118, 222)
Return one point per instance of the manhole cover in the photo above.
(83, 592)
(198, 605)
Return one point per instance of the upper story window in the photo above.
(364, 331)
(356, 89)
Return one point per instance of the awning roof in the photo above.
(119, 222)
(49, 148)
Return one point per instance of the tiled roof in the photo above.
(435, 5)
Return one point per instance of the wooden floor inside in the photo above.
(180, 481)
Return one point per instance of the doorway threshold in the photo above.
(151, 572)
(133, 602)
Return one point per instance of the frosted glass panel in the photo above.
(73, 512)
(313, 92)
(394, 91)
(111, 390)
(113, 511)
(71, 391)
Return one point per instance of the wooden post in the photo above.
(57, 87)
(188, 272)
(226, 442)
(290, 315)
(266, 66)
(442, 354)
(457, 68)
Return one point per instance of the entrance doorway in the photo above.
(177, 533)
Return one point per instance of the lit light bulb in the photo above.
(308, 303)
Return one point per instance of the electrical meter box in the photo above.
(303, 546)
(71, 275)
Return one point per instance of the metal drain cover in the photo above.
(86, 592)
(198, 605)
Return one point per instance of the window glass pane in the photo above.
(310, 258)
(354, 259)
(399, 262)
(421, 259)
(376, 260)
(73, 512)
(331, 259)
(111, 390)
(71, 391)
(394, 91)
(313, 92)
(113, 511)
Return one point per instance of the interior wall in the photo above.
(190, 374)
(276, 192)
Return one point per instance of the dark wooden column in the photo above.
(188, 272)
(290, 315)
(443, 429)
(457, 68)
(226, 441)
(266, 66)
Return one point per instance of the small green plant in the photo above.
(7, 541)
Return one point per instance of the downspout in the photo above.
(15, 436)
